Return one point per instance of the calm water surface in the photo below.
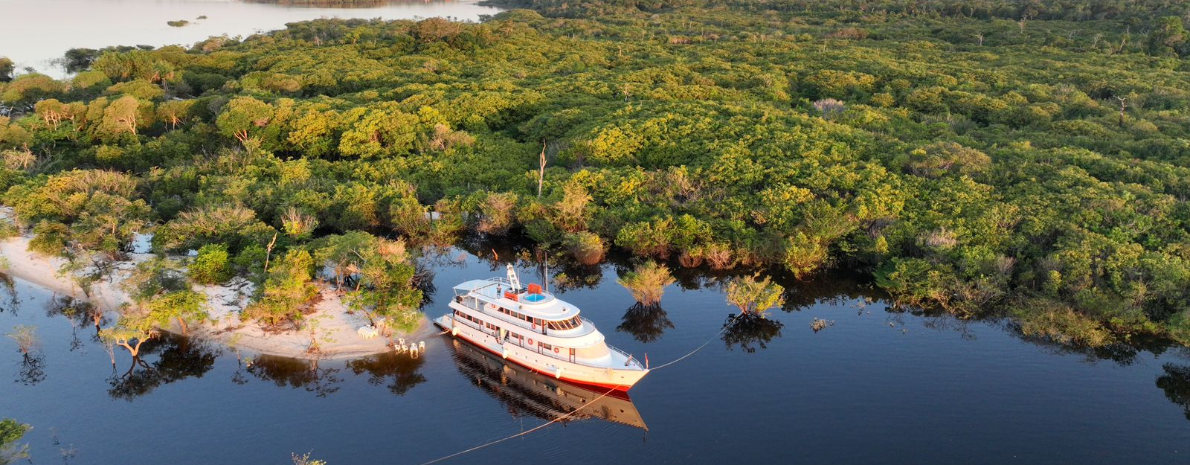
(39, 31)
(879, 386)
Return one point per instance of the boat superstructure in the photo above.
(535, 329)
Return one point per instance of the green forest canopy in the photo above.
(974, 156)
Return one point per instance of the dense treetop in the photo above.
(975, 156)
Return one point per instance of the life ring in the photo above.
(530, 341)
(555, 350)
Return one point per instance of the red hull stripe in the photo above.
(598, 387)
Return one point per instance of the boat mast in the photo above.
(513, 280)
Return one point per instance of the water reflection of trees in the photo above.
(296, 373)
(80, 314)
(646, 323)
(32, 369)
(10, 301)
(163, 360)
(750, 331)
(1176, 384)
(401, 368)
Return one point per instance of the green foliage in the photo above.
(754, 296)
(1060, 324)
(237, 227)
(587, 247)
(385, 286)
(212, 265)
(161, 294)
(288, 292)
(6, 69)
(647, 282)
(967, 154)
(11, 432)
(92, 209)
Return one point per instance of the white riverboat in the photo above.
(539, 331)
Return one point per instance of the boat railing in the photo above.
(627, 356)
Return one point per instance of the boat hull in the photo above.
(594, 378)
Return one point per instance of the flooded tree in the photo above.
(131, 334)
(647, 282)
(305, 459)
(26, 338)
(753, 295)
(646, 323)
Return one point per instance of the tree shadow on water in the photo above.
(296, 373)
(10, 301)
(163, 360)
(32, 369)
(400, 367)
(750, 331)
(646, 323)
(1176, 384)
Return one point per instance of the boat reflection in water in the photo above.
(527, 393)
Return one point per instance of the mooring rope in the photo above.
(568, 415)
(481, 446)
(708, 341)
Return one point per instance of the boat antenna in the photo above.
(513, 281)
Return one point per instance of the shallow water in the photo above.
(875, 387)
(39, 31)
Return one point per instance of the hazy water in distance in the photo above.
(39, 31)
(879, 386)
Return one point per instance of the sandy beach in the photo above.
(336, 327)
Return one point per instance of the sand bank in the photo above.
(336, 327)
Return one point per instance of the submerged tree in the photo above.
(26, 338)
(32, 361)
(754, 296)
(647, 282)
(130, 333)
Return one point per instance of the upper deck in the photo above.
(498, 291)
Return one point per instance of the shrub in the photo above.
(587, 247)
(647, 282)
(754, 296)
(212, 265)
(49, 238)
(1059, 323)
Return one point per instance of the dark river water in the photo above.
(878, 386)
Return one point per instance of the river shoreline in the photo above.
(337, 328)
